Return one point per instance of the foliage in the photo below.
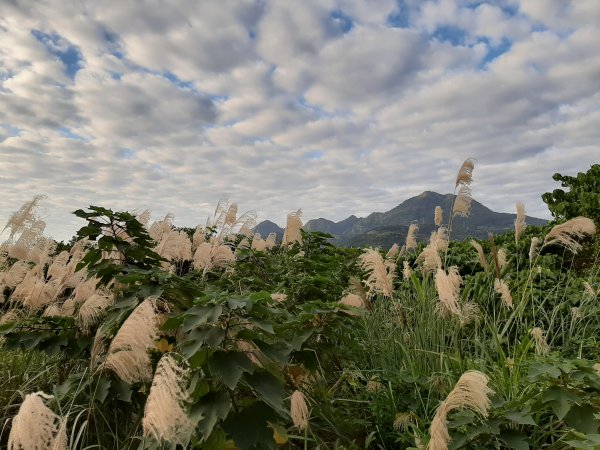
(582, 198)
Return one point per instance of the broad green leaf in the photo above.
(560, 399)
(229, 366)
(212, 407)
(520, 418)
(515, 439)
(268, 387)
(581, 417)
(250, 428)
(200, 315)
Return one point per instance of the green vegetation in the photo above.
(151, 337)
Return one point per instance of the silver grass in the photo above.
(209, 256)
(519, 221)
(299, 410)
(406, 270)
(230, 217)
(160, 227)
(533, 248)
(16, 274)
(291, 233)
(271, 240)
(462, 203)
(541, 345)
(438, 216)
(502, 258)
(411, 240)
(35, 427)
(58, 268)
(128, 352)
(392, 252)
(501, 288)
(279, 297)
(381, 273)
(92, 310)
(565, 234)
(353, 300)
(448, 288)
(471, 392)
(258, 243)
(165, 415)
(199, 237)
(465, 173)
(24, 217)
(430, 258)
(480, 254)
(589, 290)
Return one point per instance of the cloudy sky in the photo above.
(337, 107)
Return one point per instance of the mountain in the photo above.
(266, 227)
(385, 229)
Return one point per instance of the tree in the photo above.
(582, 198)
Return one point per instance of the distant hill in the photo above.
(385, 229)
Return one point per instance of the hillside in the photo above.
(387, 228)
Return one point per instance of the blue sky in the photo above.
(337, 107)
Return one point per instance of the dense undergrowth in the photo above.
(148, 336)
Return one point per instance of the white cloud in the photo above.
(325, 105)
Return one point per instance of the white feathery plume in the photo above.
(519, 221)
(128, 352)
(502, 258)
(411, 240)
(406, 270)
(230, 217)
(541, 345)
(381, 273)
(16, 274)
(501, 288)
(291, 233)
(472, 392)
(353, 300)
(565, 234)
(480, 254)
(35, 427)
(279, 297)
(299, 410)
(258, 243)
(58, 268)
(438, 216)
(199, 237)
(392, 252)
(533, 248)
(92, 310)
(462, 203)
(448, 288)
(271, 240)
(165, 416)
(465, 173)
(430, 258)
(589, 290)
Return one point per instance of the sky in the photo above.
(337, 107)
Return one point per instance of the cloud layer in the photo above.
(336, 106)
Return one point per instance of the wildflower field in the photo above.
(140, 334)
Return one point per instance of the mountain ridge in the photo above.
(386, 228)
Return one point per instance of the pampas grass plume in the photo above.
(465, 173)
(299, 410)
(480, 254)
(165, 416)
(36, 427)
(448, 288)
(291, 233)
(381, 273)
(411, 241)
(501, 288)
(128, 352)
(565, 234)
(533, 248)
(519, 221)
(462, 203)
(438, 216)
(472, 392)
(541, 345)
